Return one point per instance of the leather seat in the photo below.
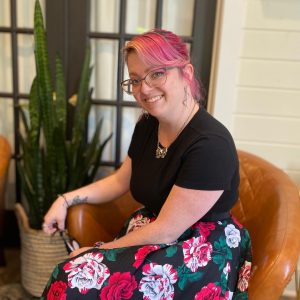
(269, 206)
(5, 155)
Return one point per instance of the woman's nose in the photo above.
(144, 88)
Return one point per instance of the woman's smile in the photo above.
(153, 99)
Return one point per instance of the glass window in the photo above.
(26, 62)
(140, 16)
(25, 12)
(127, 97)
(7, 130)
(5, 63)
(108, 114)
(7, 119)
(178, 16)
(105, 68)
(130, 117)
(5, 13)
(24, 104)
(105, 15)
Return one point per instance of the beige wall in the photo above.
(257, 78)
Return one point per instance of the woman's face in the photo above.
(160, 101)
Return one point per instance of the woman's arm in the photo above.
(101, 191)
(182, 209)
(104, 190)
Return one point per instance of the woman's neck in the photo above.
(170, 128)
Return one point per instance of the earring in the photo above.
(145, 113)
(185, 96)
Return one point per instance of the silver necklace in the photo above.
(161, 151)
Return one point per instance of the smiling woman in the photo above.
(182, 166)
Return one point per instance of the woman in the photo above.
(183, 167)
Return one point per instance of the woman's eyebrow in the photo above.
(145, 73)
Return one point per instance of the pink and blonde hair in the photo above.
(163, 48)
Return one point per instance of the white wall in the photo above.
(257, 79)
(255, 88)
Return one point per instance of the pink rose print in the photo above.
(57, 291)
(228, 295)
(205, 228)
(142, 253)
(137, 222)
(196, 253)
(244, 276)
(120, 286)
(227, 270)
(86, 272)
(157, 284)
(212, 292)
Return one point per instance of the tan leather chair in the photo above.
(269, 206)
(5, 155)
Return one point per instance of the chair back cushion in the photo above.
(269, 207)
(89, 223)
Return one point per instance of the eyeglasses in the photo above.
(154, 78)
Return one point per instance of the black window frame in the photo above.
(68, 32)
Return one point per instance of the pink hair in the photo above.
(163, 48)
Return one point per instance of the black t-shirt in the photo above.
(202, 157)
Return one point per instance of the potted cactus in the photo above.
(50, 163)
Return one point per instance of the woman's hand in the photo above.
(55, 217)
(80, 250)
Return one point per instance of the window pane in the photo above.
(108, 114)
(178, 16)
(4, 13)
(24, 104)
(7, 130)
(26, 62)
(7, 119)
(140, 16)
(25, 12)
(105, 68)
(130, 117)
(126, 97)
(105, 15)
(5, 63)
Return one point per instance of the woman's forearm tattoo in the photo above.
(78, 200)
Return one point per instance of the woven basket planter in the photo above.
(39, 254)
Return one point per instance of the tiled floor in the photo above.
(10, 287)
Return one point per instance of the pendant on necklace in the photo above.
(161, 152)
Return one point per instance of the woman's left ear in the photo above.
(189, 71)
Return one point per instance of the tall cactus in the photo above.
(49, 163)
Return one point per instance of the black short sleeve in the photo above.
(202, 157)
(209, 164)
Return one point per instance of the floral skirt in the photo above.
(211, 260)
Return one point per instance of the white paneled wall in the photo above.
(255, 88)
(269, 79)
(264, 114)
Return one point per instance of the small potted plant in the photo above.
(50, 163)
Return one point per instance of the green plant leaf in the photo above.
(50, 162)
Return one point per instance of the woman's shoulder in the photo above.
(206, 126)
